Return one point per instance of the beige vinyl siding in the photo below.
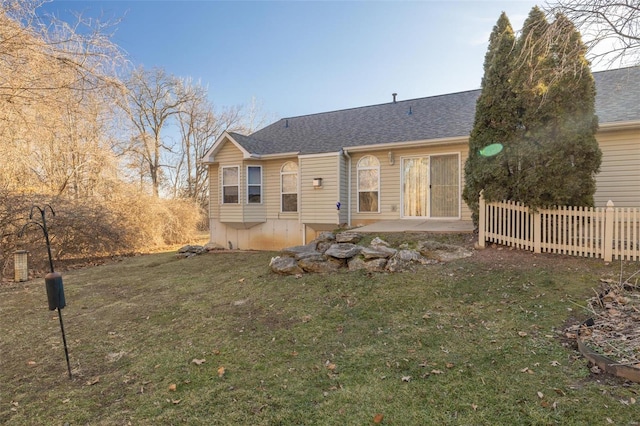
(229, 156)
(214, 194)
(271, 176)
(391, 183)
(318, 205)
(619, 177)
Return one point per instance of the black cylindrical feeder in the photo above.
(55, 290)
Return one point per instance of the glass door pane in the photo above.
(415, 187)
(445, 191)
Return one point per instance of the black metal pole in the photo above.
(46, 238)
(43, 226)
(64, 340)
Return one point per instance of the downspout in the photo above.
(346, 154)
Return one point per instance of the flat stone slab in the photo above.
(343, 250)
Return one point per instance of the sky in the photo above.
(303, 57)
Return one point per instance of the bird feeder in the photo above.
(21, 265)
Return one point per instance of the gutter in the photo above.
(620, 125)
(412, 144)
(256, 157)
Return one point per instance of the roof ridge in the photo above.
(423, 97)
(378, 105)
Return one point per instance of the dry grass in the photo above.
(476, 341)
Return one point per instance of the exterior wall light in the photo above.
(317, 182)
(392, 158)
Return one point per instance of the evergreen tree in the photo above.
(556, 152)
(495, 121)
(538, 100)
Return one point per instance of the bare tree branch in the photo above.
(610, 29)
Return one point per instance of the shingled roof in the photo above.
(434, 117)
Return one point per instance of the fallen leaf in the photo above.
(65, 401)
(15, 403)
(436, 372)
(331, 366)
(474, 406)
(241, 280)
(378, 418)
(555, 363)
(31, 363)
(173, 387)
(632, 400)
(559, 391)
(221, 371)
(198, 361)
(406, 378)
(175, 401)
(449, 365)
(522, 334)
(540, 395)
(93, 381)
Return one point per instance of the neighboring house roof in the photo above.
(434, 117)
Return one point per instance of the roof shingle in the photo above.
(434, 117)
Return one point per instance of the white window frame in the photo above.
(283, 173)
(223, 185)
(253, 184)
(358, 168)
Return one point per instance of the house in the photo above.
(299, 176)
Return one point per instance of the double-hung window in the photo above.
(230, 185)
(368, 184)
(254, 184)
(289, 187)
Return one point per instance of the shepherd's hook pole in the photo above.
(43, 226)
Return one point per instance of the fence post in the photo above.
(537, 232)
(481, 221)
(607, 240)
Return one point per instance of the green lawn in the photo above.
(476, 341)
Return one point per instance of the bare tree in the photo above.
(200, 125)
(54, 79)
(153, 99)
(610, 29)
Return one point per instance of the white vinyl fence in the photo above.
(607, 233)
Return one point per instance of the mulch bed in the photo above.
(610, 339)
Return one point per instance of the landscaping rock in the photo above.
(285, 265)
(328, 253)
(195, 249)
(348, 237)
(320, 263)
(377, 242)
(323, 246)
(377, 252)
(325, 236)
(406, 259)
(343, 250)
(375, 265)
(297, 250)
(213, 246)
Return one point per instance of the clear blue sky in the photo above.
(301, 57)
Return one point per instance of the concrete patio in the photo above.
(418, 225)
